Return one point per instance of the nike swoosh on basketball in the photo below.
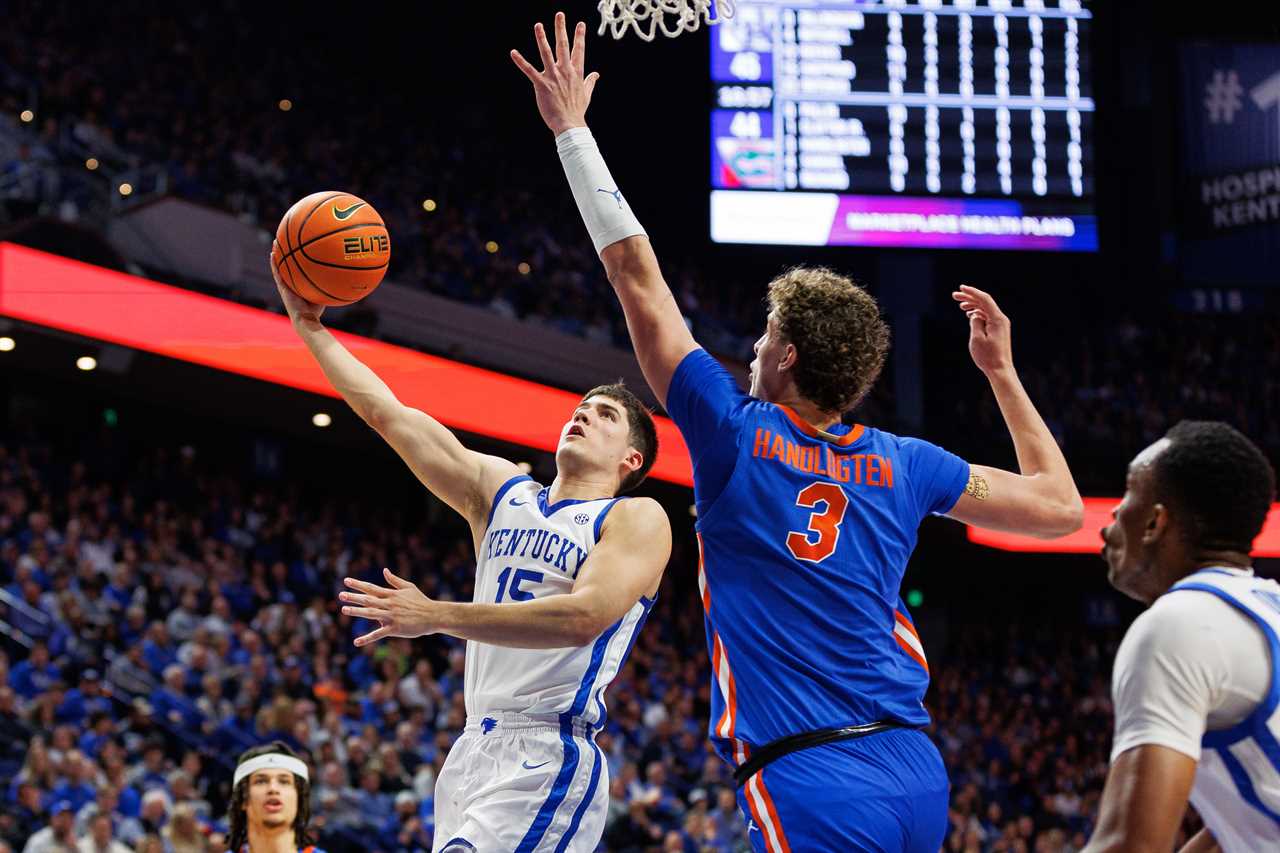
(341, 213)
(515, 502)
(528, 766)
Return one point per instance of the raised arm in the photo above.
(627, 563)
(461, 478)
(658, 332)
(1041, 500)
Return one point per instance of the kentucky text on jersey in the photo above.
(536, 544)
(859, 469)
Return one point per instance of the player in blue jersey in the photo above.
(270, 808)
(805, 525)
(1196, 682)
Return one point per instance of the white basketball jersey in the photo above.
(532, 550)
(1237, 783)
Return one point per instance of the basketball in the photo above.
(331, 248)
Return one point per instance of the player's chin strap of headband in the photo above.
(270, 761)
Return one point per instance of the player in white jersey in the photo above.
(566, 575)
(1197, 678)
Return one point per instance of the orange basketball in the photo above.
(331, 248)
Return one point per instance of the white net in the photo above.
(670, 17)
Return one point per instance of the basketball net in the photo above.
(671, 17)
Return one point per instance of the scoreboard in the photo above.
(917, 123)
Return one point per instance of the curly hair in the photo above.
(643, 434)
(237, 817)
(1218, 484)
(837, 331)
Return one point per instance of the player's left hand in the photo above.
(401, 611)
(562, 92)
(990, 338)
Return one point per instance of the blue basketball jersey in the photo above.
(804, 536)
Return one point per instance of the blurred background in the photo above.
(176, 514)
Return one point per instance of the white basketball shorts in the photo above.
(515, 783)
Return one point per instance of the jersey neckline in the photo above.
(550, 509)
(851, 437)
(1224, 570)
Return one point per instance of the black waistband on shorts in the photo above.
(771, 752)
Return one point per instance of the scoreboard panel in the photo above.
(956, 124)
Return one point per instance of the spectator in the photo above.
(183, 835)
(101, 837)
(130, 673)
(155, 811)
(59, 835)
(170, 702)
(82, 701)
(35, 675)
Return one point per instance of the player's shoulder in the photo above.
(907, 444)
(636, 513)
(1176, 623)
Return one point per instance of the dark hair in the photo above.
(1218, 484)
(837, 331)
(238, 819)
(643, 434)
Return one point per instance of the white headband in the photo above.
(272, 761)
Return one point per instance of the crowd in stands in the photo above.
(145, 113)
(1111, 386)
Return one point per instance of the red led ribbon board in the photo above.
(1088, 540)
(51, 291)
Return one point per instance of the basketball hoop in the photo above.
(672, 17)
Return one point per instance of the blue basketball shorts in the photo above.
(884, 793)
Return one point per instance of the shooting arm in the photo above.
(461, 478)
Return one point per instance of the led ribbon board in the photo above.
(1088, 540)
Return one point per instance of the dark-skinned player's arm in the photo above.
(658, 331)
(1041, 499)
(1143, 803)
(1172, 671)
(463, 479)
(627, 563)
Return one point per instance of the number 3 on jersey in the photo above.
(824, 524)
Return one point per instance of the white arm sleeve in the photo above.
(1171, 672)
(606, 213)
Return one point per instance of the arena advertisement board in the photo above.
(945, 124)
(1229, 216)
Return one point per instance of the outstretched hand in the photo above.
(562, 92)
(400, 611)
(990, 340)
(298, 308)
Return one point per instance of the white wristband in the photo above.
(606, 213)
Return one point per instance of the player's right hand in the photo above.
(298, 308)
(990, 341)
(563, 93)
(400, 609)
